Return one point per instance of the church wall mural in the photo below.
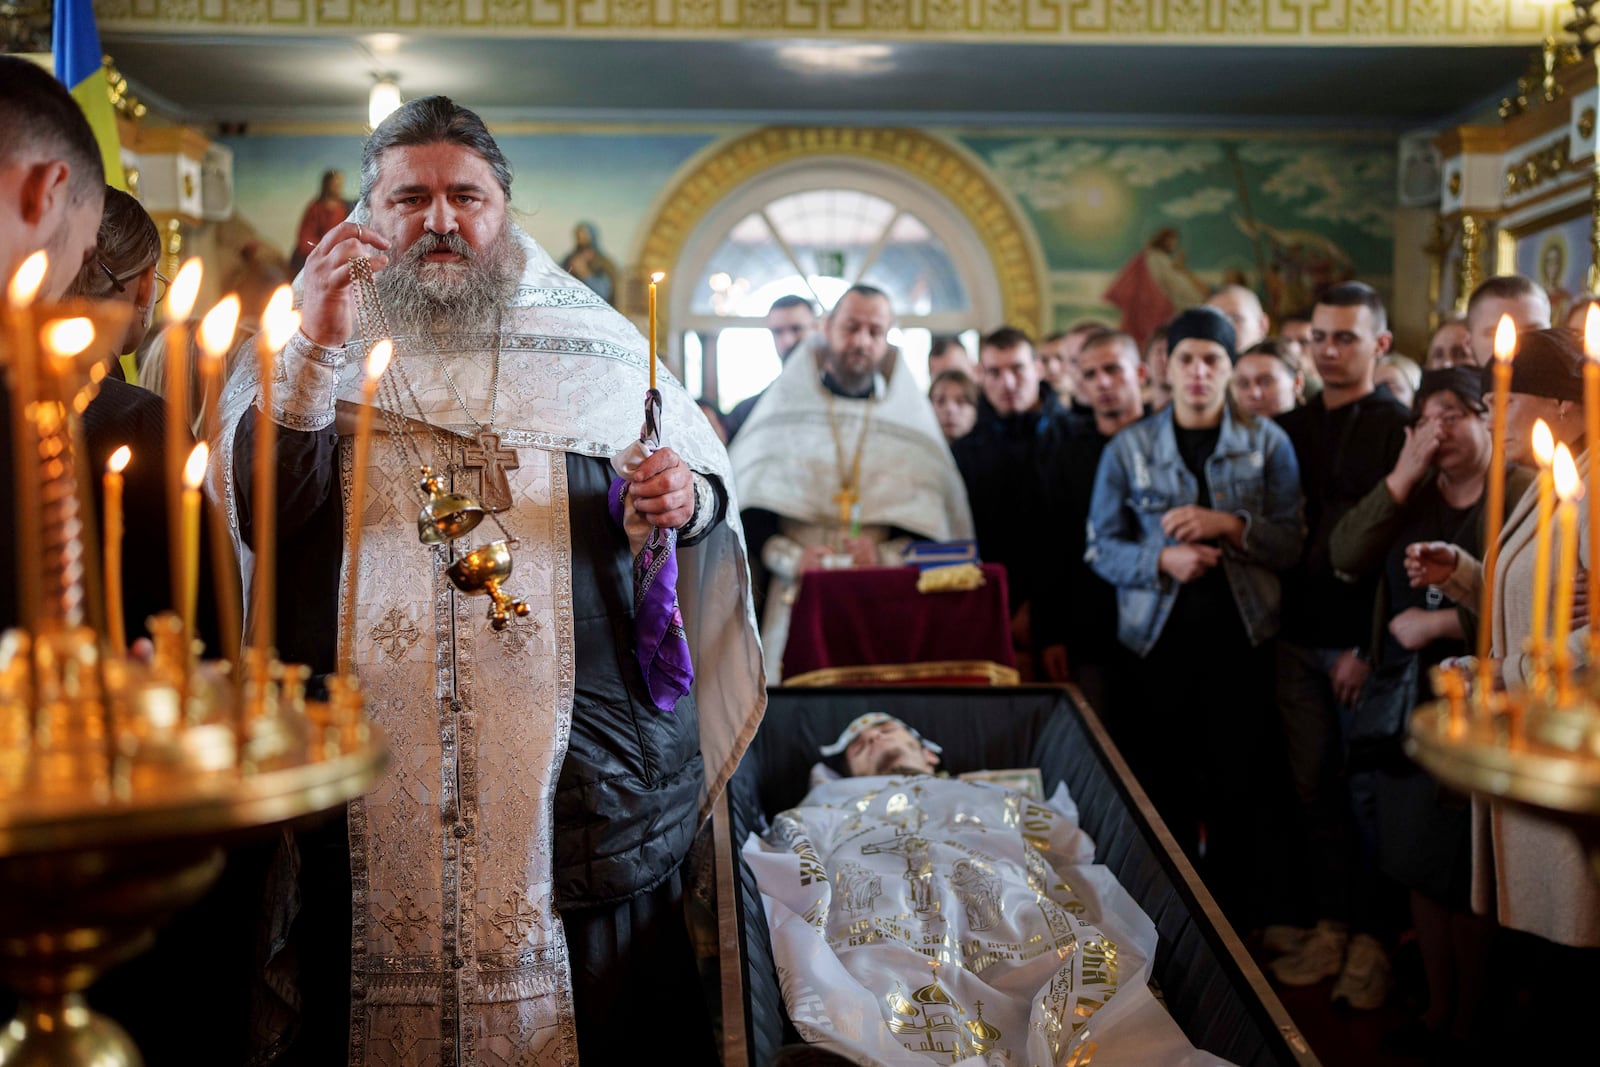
(1116, 215)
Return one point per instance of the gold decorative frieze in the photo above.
(1536, 168)
(1402, 22)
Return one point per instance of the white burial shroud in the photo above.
(459, 956)
(921, 920)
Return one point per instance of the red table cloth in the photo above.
(874, 615)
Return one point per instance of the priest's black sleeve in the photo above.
(310, 537)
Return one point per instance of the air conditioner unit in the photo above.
(216, 184)
(1417, 171)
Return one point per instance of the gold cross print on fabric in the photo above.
(486, 456)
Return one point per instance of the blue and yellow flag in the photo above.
(76, 45)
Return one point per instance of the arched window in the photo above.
(813, 229)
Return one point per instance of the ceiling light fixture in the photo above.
(837, 58)
(384, 98)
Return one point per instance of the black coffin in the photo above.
(1211, 986)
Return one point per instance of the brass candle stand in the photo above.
(122, 778)
(1528, 745)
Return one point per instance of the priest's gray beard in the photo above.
(436, 298)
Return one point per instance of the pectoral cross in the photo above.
(846, 498)
(487, 457)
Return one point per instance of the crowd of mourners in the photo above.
(1246, 547)
(1249, 549)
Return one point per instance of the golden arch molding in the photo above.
(946, 169)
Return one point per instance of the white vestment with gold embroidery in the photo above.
(458, 954)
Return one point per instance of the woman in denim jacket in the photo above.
(1195, 510)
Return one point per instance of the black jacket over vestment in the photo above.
(627, 796)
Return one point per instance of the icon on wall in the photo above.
(587, 263)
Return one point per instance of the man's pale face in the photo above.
(1249, 324)
(1387, 374)
(1528, 312)
(1113, 380)
(1199, 372)
(1346, 344)
(952, 358)
(1522, 411)
(1297, 332)
(1010, 378)
(888, 748)
(956, 414)
(438, 189)
(1450, 346)
(70, 244)
(1056, 366)
(1578, 316)
(1263, 385)
(790, 327)
(1155, 361)
(858, 335)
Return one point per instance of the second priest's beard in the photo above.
(423, 297)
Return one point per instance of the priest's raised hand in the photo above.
(327, 315)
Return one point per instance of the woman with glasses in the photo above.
(123, 268)
(1419, 830)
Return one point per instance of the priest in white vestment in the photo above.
(841, 463)
(516, 877)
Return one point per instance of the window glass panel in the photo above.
(694, 375)
(747, 363)
(914, 343)
(918, 273)
(830, 218)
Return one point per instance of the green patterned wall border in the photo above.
(1370, 22)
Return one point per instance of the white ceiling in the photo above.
(325, 79)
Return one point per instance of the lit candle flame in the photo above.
(119, 460)
(25, 283)
(1544, 443)
(378, 362)
(658, 277)
(1505, 338)
(194, 471)
(65, 338)
(216, 329)
(280, 320)
(1591, 332)
(1568, 484)
(184, 290)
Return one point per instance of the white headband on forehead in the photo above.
(866, 722)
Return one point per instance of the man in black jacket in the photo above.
(1346, 440)
(1002, 463)
(1075, 614)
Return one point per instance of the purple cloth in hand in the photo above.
(659, 637)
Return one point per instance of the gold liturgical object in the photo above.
(446, 516)
(481, 571)
(121, 779)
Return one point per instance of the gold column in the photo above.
(1471, 270)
